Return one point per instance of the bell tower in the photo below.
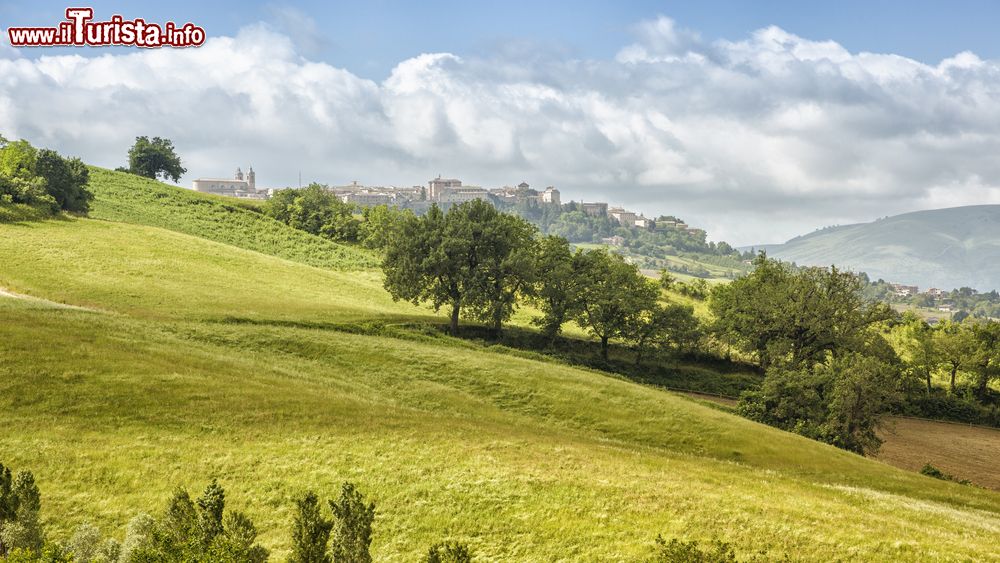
(251, 178)
(239, 173)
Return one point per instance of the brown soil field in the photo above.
(966, 452)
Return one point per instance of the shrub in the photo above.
(352, 535)
(677, 551)
(449, 552)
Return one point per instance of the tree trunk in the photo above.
(929, 390)
(455, 308)
(954, 370)
(604, 348)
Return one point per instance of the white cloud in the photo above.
(757, 140)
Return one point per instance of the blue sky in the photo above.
(758, 121)
(371, 37)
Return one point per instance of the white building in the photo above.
(438, 186)
(551, 195)
(238, 186)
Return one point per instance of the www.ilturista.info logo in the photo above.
(78, 29)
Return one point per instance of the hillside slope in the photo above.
(200, 360)
(944, 248)
(131, 199)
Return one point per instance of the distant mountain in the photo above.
(944, 248)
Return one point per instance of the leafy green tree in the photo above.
(352, 534)
(613, 296)
(314, 209)
(381, 224)
(20, 505)
(19, 182)
(66, 180)
(474, 259)
(502, 248)
(987, 357)
(922, 355)
(796, 317)
(237, 541)
(448, 552)
(559, 281)
(840, 401)
(155, 159)
(211, 505)
(956, 348)
(661, 326)
(310, 532)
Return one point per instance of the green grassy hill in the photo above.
(199, 359)
(131, 199)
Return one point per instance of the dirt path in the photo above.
(4, 292)
(966, 452)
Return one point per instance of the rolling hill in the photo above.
(944, 248)
(200, 357)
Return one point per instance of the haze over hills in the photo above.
(944, 248)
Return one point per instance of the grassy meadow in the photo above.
(201, 357)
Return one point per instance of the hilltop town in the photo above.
(451, 191)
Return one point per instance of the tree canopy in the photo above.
(155, 158)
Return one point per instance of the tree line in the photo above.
(199, 530)
(480, 264)
(42, 180)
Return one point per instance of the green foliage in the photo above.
(199, 531)
(931, 471)
(310, 532)
(448, 552)
(315, 210)
(678, 551)
(65, 180)
(559, 282)
(613, 297)
(474, 258)
(381, 224)
(130, 199)
(660, 327)
(794, 317)
(352, 533)
(155, 159)
(85, 545)
(839, 401)
(20, 505)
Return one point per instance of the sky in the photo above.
(757, 121)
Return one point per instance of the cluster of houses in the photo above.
(445, 192)
(901, 290)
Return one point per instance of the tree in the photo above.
(613, 295)
(473, 258)
(502, 248)
(156, 158)
(20, 505)
(315, 210)
(557, 293)
(352, 535)
(211, 505)
(19, 181)
(796, 317)
(839, 401)
(956, 347)
(310, 532)
(381, 224)
(987, 357)
(922, 354)
(66, 180)
(670, 325)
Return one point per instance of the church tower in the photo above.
(251, 179)
(239, 173)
